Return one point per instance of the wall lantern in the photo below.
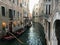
(3, 24)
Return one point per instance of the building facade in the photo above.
(41, 11)
(47, 11)
(38, 12)
(52, 21)
(35, 13)
(25, 5)
(49, 17)
(11, 15)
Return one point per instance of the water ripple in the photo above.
(33, 38)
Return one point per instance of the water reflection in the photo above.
(33, 38)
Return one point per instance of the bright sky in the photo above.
(31, 4)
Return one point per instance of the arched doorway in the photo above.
(57, 30)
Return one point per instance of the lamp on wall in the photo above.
(3, 24)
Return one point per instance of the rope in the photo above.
(16, 38)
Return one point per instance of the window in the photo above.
(9, 0)
(20, 4)
(13, 1)
(46, 9)
(49, 0)
(25, 3)
(18, 15)
(17, 2)
(3, 11)
(10, 14)
(46, 0)
(36, 13)
(49, 9)
(14, 13)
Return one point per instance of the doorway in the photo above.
(10, 26)
(57, 30)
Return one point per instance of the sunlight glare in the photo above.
(31, 4)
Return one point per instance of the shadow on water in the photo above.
(33, 36)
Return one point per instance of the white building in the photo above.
(52, 23)
(36, 13)
(10, 16)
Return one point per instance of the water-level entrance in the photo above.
(57, 30)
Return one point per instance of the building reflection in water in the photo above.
(33, 38)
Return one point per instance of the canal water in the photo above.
(33, 36)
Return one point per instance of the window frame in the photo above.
(3, 10)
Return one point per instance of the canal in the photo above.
(33, 36)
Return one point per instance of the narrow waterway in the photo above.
(33, 36)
